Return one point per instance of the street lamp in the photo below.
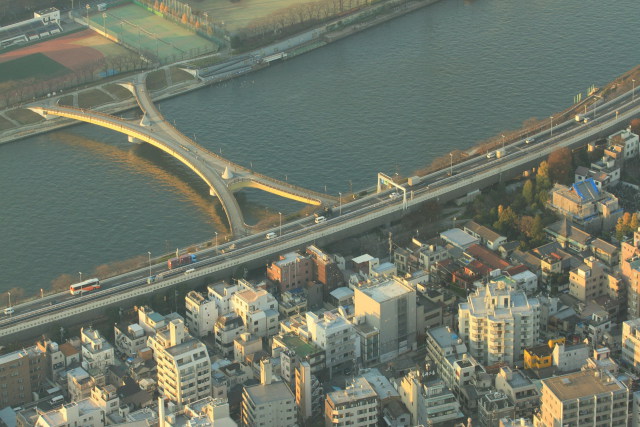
(104, 23)
(216, 242)
(280, 214)
(503, 142)
(9, 299)
(633, 89)
(80, 273)
(87, 7)
(340, 211)
(149, 252)
(41, 293)
(451, 168)
(551, 125)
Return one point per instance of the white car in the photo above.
(394, 195)
(491, 154)
(529, 140)
(9, 310)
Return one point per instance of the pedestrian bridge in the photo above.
(221, 175)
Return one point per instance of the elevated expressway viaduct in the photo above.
(221, 175)
(354, 217)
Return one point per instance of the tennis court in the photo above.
(151, 35)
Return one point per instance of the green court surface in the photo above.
(37, 66)
(145, 32)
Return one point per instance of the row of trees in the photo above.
(27, 89)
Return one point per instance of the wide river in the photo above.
(388, 99)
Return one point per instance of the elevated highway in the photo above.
(355, 217)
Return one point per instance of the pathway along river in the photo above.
(388, 99)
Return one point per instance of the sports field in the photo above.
(240, 14)
(143, 31)
(36, 65)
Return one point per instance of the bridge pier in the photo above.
(134, 140)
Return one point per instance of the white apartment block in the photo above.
(258, 309)
(85, 413)
(497, 322)
(389, 305)
(625, 141)
(221, 293)
(151, 321)
(97, 353)
(201, 314)
(356, 406)
(336, 336)
(631, 343)
(170, 335)
(184, 372)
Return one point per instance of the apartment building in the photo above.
(520, 390)
(630, 269)
(591, 280)
(631, 343)
(184, 372)
(268, 403)
(336, 336)
(498, 322)
(97, 353)
(357, 405)
(325, 269)
(429, 400)
(22, 373)
(128, 339)
(258, 310)
(290, 271)
(201, 313)
(583, 398)
(389, 305)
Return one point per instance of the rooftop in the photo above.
(386, 290)
(583, 383)
(261, 394)
(342, 292)
(300, 347)
(359, 389)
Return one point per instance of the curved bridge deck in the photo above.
(222, 176)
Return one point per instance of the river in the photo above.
(388, 99)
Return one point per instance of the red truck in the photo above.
(181, 260)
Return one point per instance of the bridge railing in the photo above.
(297, 189)
(308, 195)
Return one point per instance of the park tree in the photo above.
(561, 166)
(635, 126)
(528, 192)
(184, 19)
(543, 182)
(62, 282)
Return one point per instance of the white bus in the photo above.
(86, 286)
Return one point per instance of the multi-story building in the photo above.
(258, 310)
(201, 313)
(22, 373)
(357, 405)
(173, 333)
(428, 400)
(443, 347)
(389, 305)
(631, 343)
(585, 205)
(293, 351)
(84, 413)
(244, 345)
(97, 353)
(291, 271)
(79, 384)
(221, 293)
(624, 143)
(630, 269)
(184, 372)
(589, 280)
(293, 302)
(128, 339)
(268, 403)
(325, 269)
(336, 336)
(520, 390)
(583, 398)
(309, 393)
(228, 327)
(151, 321)
(497, 322)
(494, 406)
